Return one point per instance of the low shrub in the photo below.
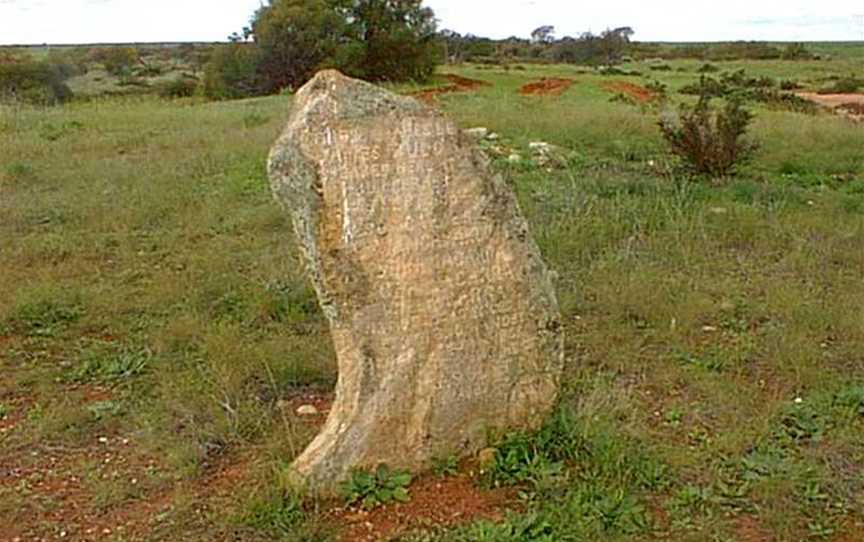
(710, 142)
(180, 87)
(116, 60)
(37, 83)
(232, 72)
(845, 85)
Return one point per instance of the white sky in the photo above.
(89, 21)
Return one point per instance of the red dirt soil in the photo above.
(748, 529)
(434, 501)
(546, 87)
(458, 84)
(638, 93)
(851, 105)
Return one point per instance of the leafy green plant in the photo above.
(373, 489)
(111, 363)
(445, 466)
(710, 142)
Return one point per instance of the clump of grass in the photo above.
(45, 318)
(273, 511)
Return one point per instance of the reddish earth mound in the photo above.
(434, 501)
(638, 93)
(457, 84)
(546, 87)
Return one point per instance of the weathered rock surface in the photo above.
(443, 316)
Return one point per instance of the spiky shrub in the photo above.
(710, 142)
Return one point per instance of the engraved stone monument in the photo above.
(443, 315)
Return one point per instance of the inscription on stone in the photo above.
(443, 316)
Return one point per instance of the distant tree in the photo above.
(396, 39)
(452, 45)
(613, 44)
(379, 40)
(543, 34)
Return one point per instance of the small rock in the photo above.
(709, 329)
(103, 440)
(477, 133)
(307, 410)
(492, 136)
(486, 457)
(514, 158)
(719, 210)
(541, 146)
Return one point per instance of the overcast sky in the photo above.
(89, 21)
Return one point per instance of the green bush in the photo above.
(710, 142)
(116, 60)
(37, 83)
(232, 72)
(845, 85)
(180, 87)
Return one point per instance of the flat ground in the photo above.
(156, 332)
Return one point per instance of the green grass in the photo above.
(151, 291)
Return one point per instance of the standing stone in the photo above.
(443, 315)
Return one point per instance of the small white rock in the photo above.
(103, 440)
(514, 158)
(798, 400)
(307, 410)
(541, 146)
(719, 210)
(477, 133)
(492, 136)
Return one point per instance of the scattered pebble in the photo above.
(513, 158)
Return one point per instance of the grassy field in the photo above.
(157, 333)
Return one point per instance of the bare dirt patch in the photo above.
(748, 529)
(546, 87)
(457, 84)
(637, 92)
(434, 501)
(851, 105)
